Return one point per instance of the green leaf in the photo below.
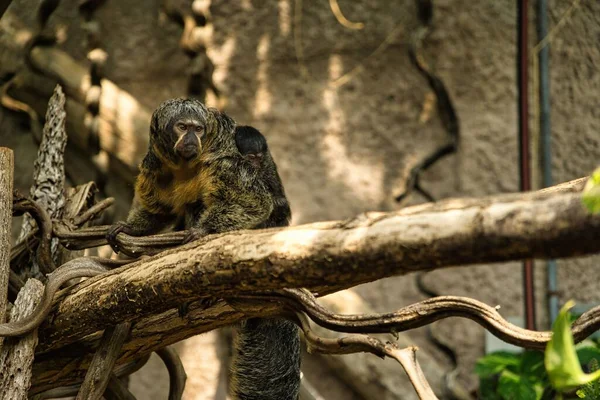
(560, 357)
(591, 390)
(591, 193)
(587, 351)
(532, 365)
(487, 389)
(513, 387)
(494, 363)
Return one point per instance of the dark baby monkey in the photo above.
(253, 146)
(201, 169)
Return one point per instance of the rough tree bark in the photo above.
(6, 190)
(322, 257)
(17, 354)
(49, 172)
(76, 199)
(47, 190)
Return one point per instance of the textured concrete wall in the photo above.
(344, 149)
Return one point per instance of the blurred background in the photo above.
(347, 114)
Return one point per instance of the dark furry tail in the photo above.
(266, 361)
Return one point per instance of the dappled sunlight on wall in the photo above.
(221, 57)
(263, 98)
(122, 138)
(363, 177)
(206, 373)
(285, 18)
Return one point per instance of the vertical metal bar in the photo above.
(524, 168)
(546, 139)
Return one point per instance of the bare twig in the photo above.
(408, 359)
(177, 375)
(206, 316)
(77, 268)
(362, 343)
(93, 211)
(57, 393)
(6, 201)
(426, 312)
(337, 12)
(131, 367)
(103, 362)
(117, 390)
(382, 381)
(38, 213)
(120, 371)
(29, 242)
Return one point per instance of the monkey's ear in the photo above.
(222, 121)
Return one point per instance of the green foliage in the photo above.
(562, 364)
(591, 390)
(591, 192)
(538, 376)
(509, 376)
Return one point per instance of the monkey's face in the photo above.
(188, 134)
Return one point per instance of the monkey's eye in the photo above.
(199, 128)
(181, 127)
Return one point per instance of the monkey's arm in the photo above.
(140, 222)
(147, 214)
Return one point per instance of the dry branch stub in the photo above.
(49, 173)
(6, 200)
(16, 357)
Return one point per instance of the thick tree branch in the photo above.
(322, 257)
(331, 256)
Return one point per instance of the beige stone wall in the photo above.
(345, 149)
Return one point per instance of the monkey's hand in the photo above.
(114, 230)
(194, 234)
